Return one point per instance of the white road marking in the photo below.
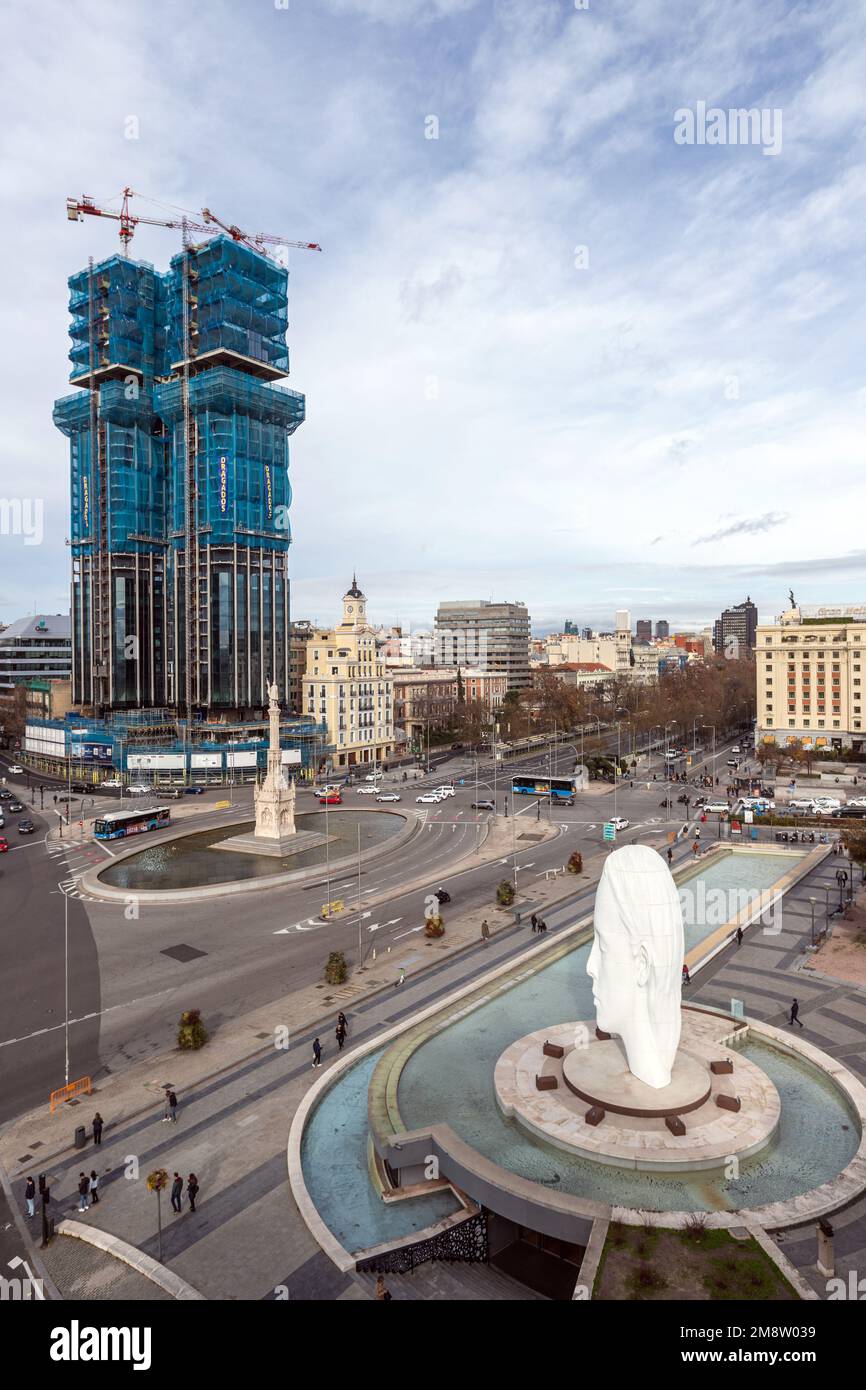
(399, 934)
(85, 1018)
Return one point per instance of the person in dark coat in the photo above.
(30, 1197)
(83, 1191)
(94, 1187)
(97, 1129)
(176, 1192)
(172, 1107)
(343, 1023)
(317, 1053)
(795, 1013)
(192, 1190)
(341, 1036)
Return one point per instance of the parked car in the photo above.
(26, 827)
(372, 777)
(15, 807)
(387, 796)
(483, 806)
(429, 798)
(193, 790)
(4, 845)
(619, 822)
(16, 769)
(331, 799)
(2, 821)
(801, 804)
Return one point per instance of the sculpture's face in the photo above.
(636, 960)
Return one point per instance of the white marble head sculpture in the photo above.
(636, 960)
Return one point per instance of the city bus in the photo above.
(556, 788)
(119, 823)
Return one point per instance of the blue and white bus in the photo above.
(559, 789)
(119, 823)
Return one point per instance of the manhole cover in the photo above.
(182, 953)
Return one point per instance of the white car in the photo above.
(138, 789)
(801, 805)
(720, 808)
(736, 751)
(619, 822)
(372, 777)
(429, 798)
(367, 791)
(113, 783)
(387, 796)
(16, 768)
(857, 801)
(444, 791)
(827, 801)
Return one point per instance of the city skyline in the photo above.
(536, 339)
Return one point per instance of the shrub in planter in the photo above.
(191, 1033)
(336, 969)
(575, 863)
(434, 926)
(505, 893)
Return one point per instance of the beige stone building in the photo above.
(346, 687)
(809, 671)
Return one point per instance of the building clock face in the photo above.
(349, 609)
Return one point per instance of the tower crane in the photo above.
(79, 208)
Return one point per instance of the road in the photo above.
(127, 984)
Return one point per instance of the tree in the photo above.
(854, 841)
(461, 690)
(191, 1033)
(336, 969)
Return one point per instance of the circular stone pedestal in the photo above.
(589, 1104)
(600, 1075)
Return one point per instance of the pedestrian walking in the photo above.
(485, 932)
(739, 936)
(687, 979)
(192, 1190)
(176, 1193)
(534, 921)
(795, 1013)
(30, 1197)
(172, 1107)
(317, 1053)
(97, 1129)
(382, 1291)
(670, 856)
(343, 1023)
(94, 1187)
(542, 925)
(341, 1037)
(696, 848)
(83, 1191)
(402, 977)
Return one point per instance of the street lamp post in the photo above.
(812, 906)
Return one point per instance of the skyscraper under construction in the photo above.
(179, 481)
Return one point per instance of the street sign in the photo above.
(609, 831)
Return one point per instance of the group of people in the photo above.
(177, 1192)
(341, 1032)
(538, 924)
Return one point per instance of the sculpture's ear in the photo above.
(644, 965)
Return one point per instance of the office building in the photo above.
(485, 636)
(734, 631)
(643, 630)
(663, 629)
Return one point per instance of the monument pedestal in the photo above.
(284, 848)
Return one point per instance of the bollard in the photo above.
(826, 1261)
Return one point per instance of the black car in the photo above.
(483, 806)
(194, 791)
(81, 788)
(15, 807)
(5, 794)
(26, 827)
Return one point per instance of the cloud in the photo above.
(749, 526)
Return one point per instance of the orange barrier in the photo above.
(75, 1088)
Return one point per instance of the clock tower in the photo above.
(354, 606)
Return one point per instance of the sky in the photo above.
(557, 348)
